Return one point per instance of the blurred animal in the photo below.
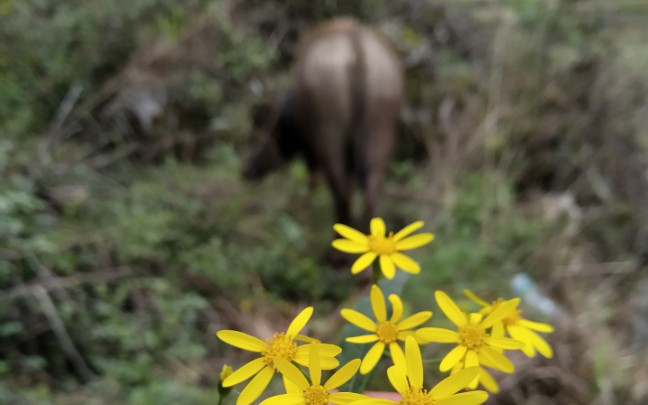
(340, 115)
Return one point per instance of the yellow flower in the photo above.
(301, 392)
(225, 372)
(519, 328)
(384, 332)
(281, 345)
(408, 381)
(475, 346)
(386, 248)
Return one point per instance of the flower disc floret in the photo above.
(416, 396)
(279, 345)
(387, 332)
(316, 395)
(382, 245)
(472, 337)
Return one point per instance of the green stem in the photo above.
(377, 273)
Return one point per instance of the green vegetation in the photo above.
(122, 252)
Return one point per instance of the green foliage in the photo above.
(482, 240)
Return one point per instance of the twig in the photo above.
(58, 327)
(64, 110)
(106, 275)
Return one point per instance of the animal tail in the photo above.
(357, 127)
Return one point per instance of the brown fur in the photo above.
(340, 114)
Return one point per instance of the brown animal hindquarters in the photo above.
(346, 101)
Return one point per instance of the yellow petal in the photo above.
(533, 339)
(343, 398)
(299, 322)
(378, 303)
(414, 320)
(358, 319)
(465, 398)
(536, 326)
(452, 358)
(387, 266)
(371, 358)
(407, 230)
(291, 372)
(437, 335)
(255, 387)
(363, 339)
(517, 333)
(314, 367)
(329, 350)
(405, 263)
(244, 372)
(349, 246)
(327, 354)
(497, 358)
(415, 241)
(397, 307)
(242, 340)
(450, 309)
(284, 399)
(487, 381)
(403, 334)
(350, 233)
(363, 262)
(486, 361)
(344, 374)
(306, 339)
(329, 363)
(414, 362)
(471, 296)
(455, 383)
(377, 227)
(500, 312)
(498, 330)
(291, 387)
(471, 359)
(397, 355)
(504, 343)
(398, 379)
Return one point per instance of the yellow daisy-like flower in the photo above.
(386, 248)
(408, 381)
(519, 328)
(281, 345)
(475, 346)
(384, 332)
(302, 392)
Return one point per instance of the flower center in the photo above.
(316, 395)
(513, 318)
(381, 245)
(417, 396)
(279, 346)
(387, 332)
(472, 337)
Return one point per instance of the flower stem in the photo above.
(377, 273)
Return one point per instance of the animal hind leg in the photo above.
(377, 163)
(340, 192)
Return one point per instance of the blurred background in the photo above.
(127, 238)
